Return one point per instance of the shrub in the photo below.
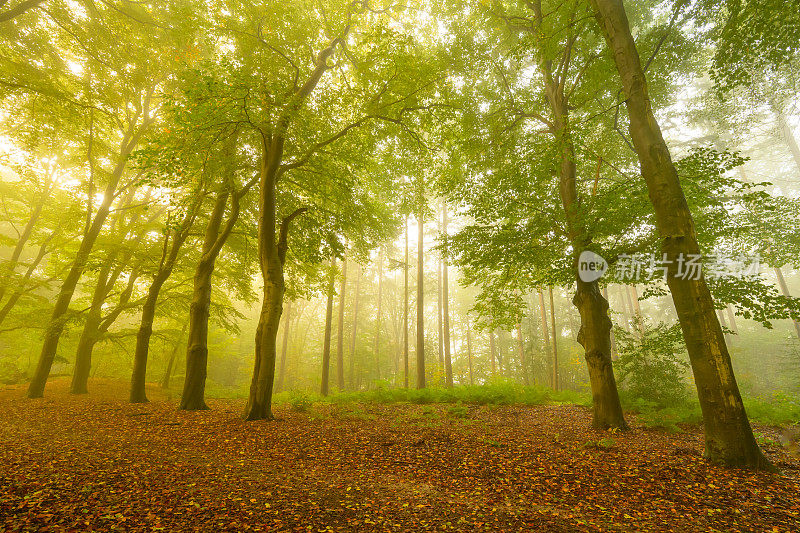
(650, 367)
(300, 401)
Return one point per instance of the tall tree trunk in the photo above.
(326, 347)
(139, 373)
(355, 331)
(633, 298)
(546, 341)
(594, 333)
(273, 242)
(172, 356)
(405, 312)
(729, 438)
(194, 384)
(420, 351)
(378, 317)
(340, 328)
(59, 316)
(439, 325)
(106, 279)
(448, 364)
(614, 354)
(521, 347)
(284, 347)
(785, 290)
(556, 385)
(721, 318)
(492, 352)
(469, 353)
(169, 257)
(732, 320)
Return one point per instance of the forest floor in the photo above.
(98, 463)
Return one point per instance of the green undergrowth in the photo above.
(772, 410)
(488, 394)
(776, 409)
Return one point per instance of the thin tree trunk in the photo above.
(173, 355)
(721, 318)
(439, 324)
(405, 312)
(729, 437)
(448, 363)
(378, 317)
(732, 320)
(420, 351)
(556, 385)
(340, 329)
(284, 347)
(106, 280)
(139, 373)
(469, 353)
(326, 347)
(614, 354)
(785, 290)
(521, 347)
(355, 330)
(546, 340)
(492, 352)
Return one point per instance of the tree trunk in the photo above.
(729, 438)
(732, 320)
(355, 331)
(326, 347)
(378, 317)
(194, 384)
(546, 340)
(172, 356)
(284, 347)
(405, 312)
(492, 352)
(143, 340)
(340, 329)
(614, 355)
(448, 364)
(59, 317)
(420, 351)
(439, 325)
(785, 290)
(521, 347)
(259, 403)
(556, 385)
(167, 264)
(469, 353)
(595, 338)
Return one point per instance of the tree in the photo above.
(729, 438)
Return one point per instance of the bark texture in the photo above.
(728, 436)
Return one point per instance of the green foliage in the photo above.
(300, 401)
(651, 366)
(500, 393)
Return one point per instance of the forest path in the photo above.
(98, 462)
